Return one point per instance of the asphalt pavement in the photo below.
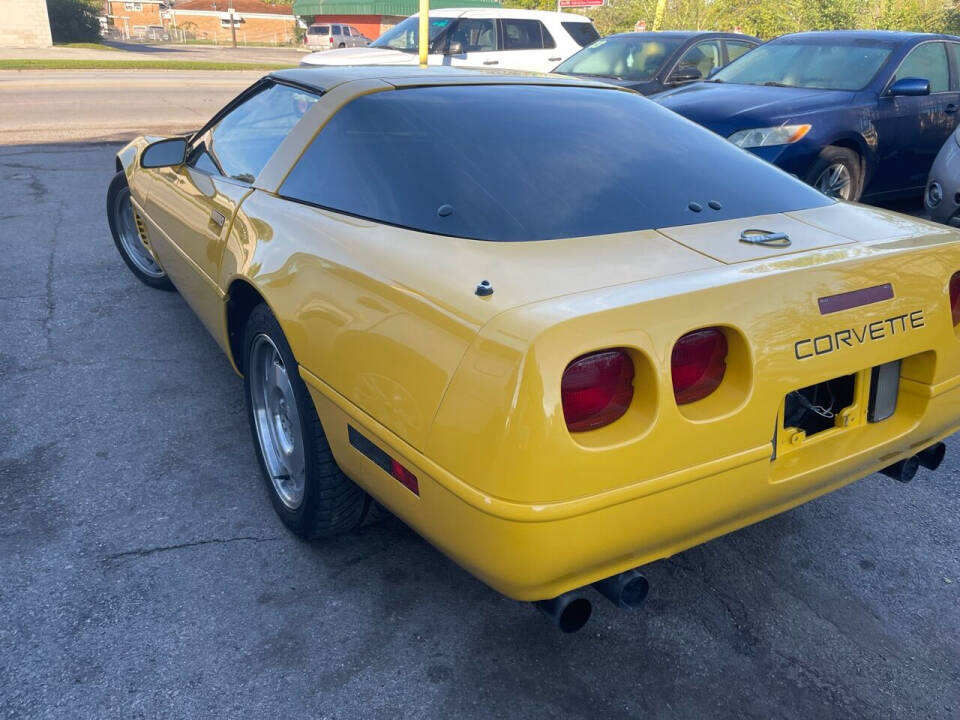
(160, 51)
(69, 105)
(143, 572)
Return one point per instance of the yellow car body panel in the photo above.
(465, 390)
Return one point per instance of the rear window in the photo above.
(319, 30)
(583, 33)
(525, 35)
(529, 162)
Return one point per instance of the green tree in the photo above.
(74, 20)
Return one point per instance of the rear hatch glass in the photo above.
(532, 162)
(319, 30)
(583, 33)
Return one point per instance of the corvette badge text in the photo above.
(852, 337)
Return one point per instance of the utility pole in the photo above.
(657, 17)
(424, 31)
(233, 26)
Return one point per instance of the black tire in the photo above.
(343, 45)
(830, 157)
(332, 503)
(118, 193)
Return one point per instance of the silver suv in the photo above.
(325, 36)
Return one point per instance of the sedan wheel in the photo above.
(835, 182)
(837, 173)
(277, 421)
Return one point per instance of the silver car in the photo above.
(941, 197)
(326, 36)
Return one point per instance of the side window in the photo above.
(336, 30)
(241, 143)
(346, 31)
(354, 32)
(703, 56)
(525, 35)
(583, 33)
(736, 48)
(954, 49)
(474, 34)
(927, 61)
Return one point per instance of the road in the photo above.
(70, 105)
(171, 51)
(144, 573)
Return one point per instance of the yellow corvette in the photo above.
(557, 329)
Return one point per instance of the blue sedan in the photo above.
(857, 114)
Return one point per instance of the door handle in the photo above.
(556, 59)
(952, 108)
(217, 218)
(491, 62)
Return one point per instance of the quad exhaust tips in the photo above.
(904, 470)
(571, 611)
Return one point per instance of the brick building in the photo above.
(133, 19)
(255, 21)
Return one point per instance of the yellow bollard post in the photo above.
(658, 15)
(424, 31)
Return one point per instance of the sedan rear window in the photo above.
(583, 33)
(520, 162)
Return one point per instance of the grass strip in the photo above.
(72, 64)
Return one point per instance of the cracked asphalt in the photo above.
(143, 572)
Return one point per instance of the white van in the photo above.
(330, 36)
(531, 40)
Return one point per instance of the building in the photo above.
(24, 23)
(255, 21)
(135, 19)
(372, 17)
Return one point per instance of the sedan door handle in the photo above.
(556, 59)
(217, 218)
(491, 62)
(952, 108)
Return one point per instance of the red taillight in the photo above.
(955, 298)
(596, 389)
(406, 478)
(698, 363)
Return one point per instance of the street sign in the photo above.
(581, 3)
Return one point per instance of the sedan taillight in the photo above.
(698, 363)
(597, 388)
(955, 298)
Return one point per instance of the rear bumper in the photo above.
(532, 552)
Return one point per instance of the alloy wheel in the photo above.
(277, 421)
(835, 181)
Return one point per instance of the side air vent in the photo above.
(141, 228)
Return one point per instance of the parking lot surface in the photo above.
(69, 105)
(143, 572)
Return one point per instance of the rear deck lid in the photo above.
(754, 238)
